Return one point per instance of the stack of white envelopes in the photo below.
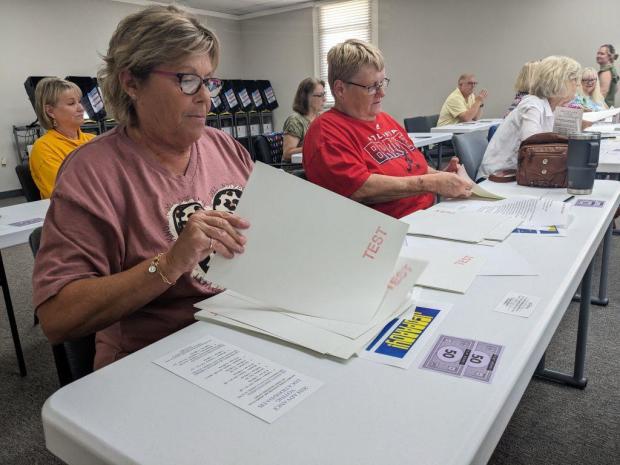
(319, 270)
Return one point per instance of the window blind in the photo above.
(338, 22)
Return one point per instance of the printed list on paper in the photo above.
(259, 386)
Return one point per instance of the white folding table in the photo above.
(135, 412)
(471, 126)
(16, 224)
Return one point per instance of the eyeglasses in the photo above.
(471, 83)
(589, 81)
(190, 83)
(322, 94)
(372, 90)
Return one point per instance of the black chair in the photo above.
(30, 189)
(424, 124)
(74, 359)
(470, 148)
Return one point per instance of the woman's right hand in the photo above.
(205, 232)
(451, 185)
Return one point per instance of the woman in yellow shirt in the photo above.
(58, 108)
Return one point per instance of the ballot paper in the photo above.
(259, 386)
(402, 338)
(340, 339)
(593, 116)
(501, 260)
(343, 253)
(477, 190)
(451, 269)
(567, 120)
(465, 358)
(459, 225)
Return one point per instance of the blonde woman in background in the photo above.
(589, 96)
(607, 73)
(59, 111)
(522, 84)
(554, 84)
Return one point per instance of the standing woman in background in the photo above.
(308, 103)
(58, 108)
(607, 73)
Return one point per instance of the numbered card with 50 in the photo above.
(464, 358)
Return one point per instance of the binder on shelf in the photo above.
(226, 123)
(259, 103)
(217, 105)
(92, 100)
(229, 99)
(254, 122)
(241, 124)
(242, 94)
(212, 120)
(266, 122)
(267, 94)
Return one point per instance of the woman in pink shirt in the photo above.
(137, 213)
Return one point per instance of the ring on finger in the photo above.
(210, 243)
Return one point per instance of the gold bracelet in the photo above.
(154, 267)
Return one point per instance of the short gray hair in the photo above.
(144, 40)
(552, 74)
(48, 92)
(344, 60)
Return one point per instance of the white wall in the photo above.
(61, 38)
(279, 48)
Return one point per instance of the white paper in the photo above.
(593, 116)
(454, 225)
(403, 338)
(567, 120)
(340, 339)
(259, 386)
(518, 304)
(341, 252)
(533, 211)
(477, 189)
(452, 268)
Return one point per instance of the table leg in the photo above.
(602, 299)
(577, 379)
(12, 324)
(439, 155)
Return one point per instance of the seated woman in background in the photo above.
(360, 152)
(308, 103)
(58, 108)
(523, 84)
(554, 83)
(137, 212)
(589, 96)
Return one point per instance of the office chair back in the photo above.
(74, 359)
(492, 130)
(470, 148)
(421, 123)
(29, 188)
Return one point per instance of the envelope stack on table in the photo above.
(318, 270)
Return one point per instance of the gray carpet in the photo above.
(552, 425)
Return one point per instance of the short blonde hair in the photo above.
(596, 96)
(525, 77)
(344, 60)
(142, 41)
(48, 92)
(552, 74)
